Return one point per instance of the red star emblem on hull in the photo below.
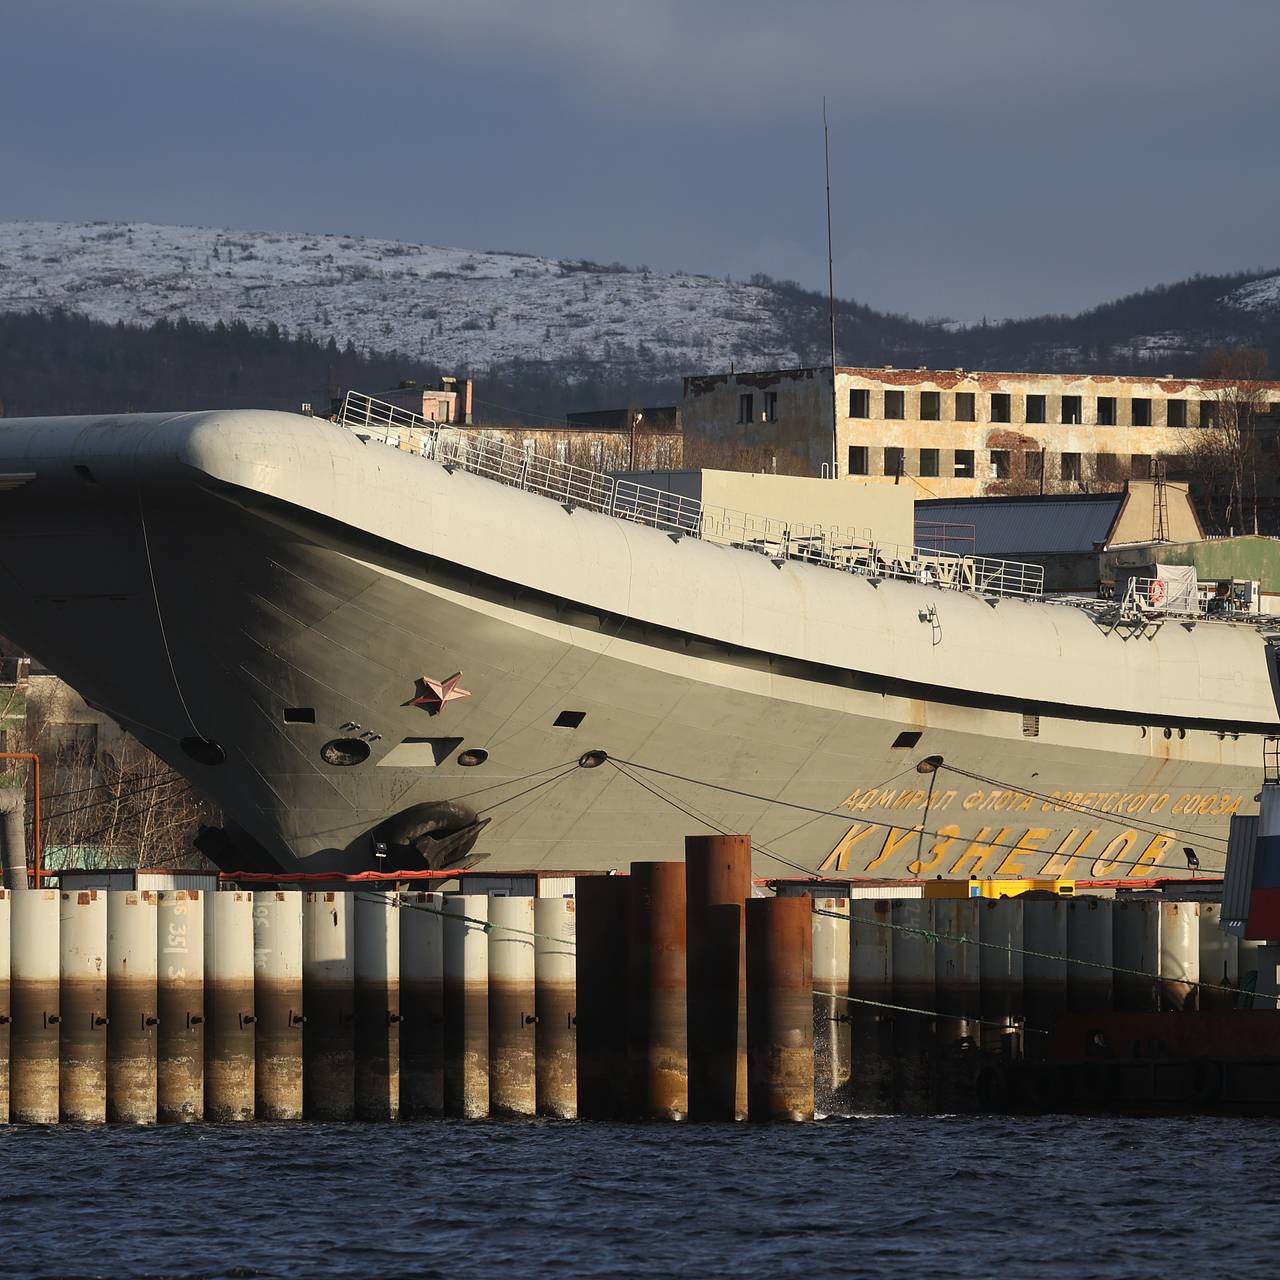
(433, 694)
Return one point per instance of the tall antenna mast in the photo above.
(831, 295)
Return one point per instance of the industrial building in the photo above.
(954, 433)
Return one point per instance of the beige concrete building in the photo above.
(950, 433)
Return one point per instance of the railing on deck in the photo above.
(850, 550)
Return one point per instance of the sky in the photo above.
(989, 157)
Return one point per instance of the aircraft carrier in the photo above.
(379, 644)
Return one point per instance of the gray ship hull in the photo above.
(245, 590)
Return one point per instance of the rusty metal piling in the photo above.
(133, 1018)
(82, 1049)
(180, 1006)
(717, 886)
(657, 1041)
(780, 1080)
(601, 983)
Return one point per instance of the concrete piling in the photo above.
(1219, 961)
(832, 1037)
(601, 983)
(82, 965)
(780, 1008)
(377, 1006)
(133, 1025)
(180, 1005)
(512, 1074)
(555, 921)
(6, 1010)
(1044, 969)
(277, 1003)
(717, 886)
(328, 995)
(1000, 973)
(229, 1007)
(466, 1006)
(1089, 938)
(958, 1000)
(35, 1004)
(1179, 986)
(871, 1026)
(422, 1004)
(657, 1039)
(1136, 955)
(914, 956)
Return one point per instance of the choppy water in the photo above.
(876, 1197)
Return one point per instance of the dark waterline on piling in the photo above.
(963, 1197)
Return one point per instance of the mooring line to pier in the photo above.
(487, 926)
(934, 936)
(926, 1013)
(847, 817)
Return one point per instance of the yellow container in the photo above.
(1011, 888)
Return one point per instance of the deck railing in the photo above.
(848, 549)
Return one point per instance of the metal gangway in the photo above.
(846, 549)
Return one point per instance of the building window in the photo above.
(1106, 411)
(1000, 464)
(1177, 413)
(1109, 467)
(1071, 411)
(965, 409)
(1071, 466)
(1140, 411)
(928, 462)
(1140, 466)
(771, 406)
(746, 407)
(1033, 465)
(895, 404)
(860, 403)
(1208, 413)
(1035, 408)
(894, 461)
(857, 459)
(1001, 406)
(930, 406)
(964, 464)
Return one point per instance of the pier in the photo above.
(680, 991)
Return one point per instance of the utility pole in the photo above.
(831, 298)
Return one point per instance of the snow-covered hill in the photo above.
(449, 306)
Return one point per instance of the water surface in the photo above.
(875, 1197)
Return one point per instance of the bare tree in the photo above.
(1222, 459)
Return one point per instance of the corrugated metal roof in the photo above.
(1237, 887)
(1029, 526)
